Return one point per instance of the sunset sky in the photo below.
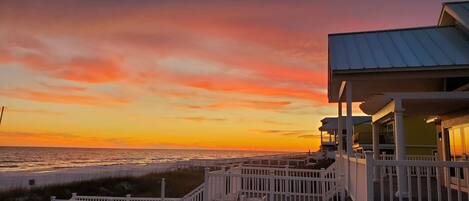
(177, 74)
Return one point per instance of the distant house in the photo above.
(414, 74)
(422, 143)
(329, 130)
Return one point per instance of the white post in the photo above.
(349, 120)
(375, 133)
(369, 175)
(340, 127)
(321, 140)
(73, 196)
(271, 186)
(349, 126)
(400, 154)
(127, 197)
(206, 184)
(52, 198)
(163, 185)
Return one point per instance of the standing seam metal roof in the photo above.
(403, 48)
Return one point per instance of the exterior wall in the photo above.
(420, 136)
(362, 133)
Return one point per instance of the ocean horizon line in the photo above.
(136, 148)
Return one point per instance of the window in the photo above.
(458, 145)
(386, 133)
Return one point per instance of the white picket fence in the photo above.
(272, 184)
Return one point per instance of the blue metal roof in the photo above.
(402, 48)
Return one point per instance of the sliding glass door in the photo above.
(459, 149)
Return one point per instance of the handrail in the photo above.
(196, 190)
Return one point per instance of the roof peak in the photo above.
(454, 2)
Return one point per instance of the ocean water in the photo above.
(42, 158)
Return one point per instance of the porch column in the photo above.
(340, 127)
(349, 120)
(375, 134)
(340, 149)
(321, 139)
(400, 154)
(349, 126)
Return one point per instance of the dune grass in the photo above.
(178, 183)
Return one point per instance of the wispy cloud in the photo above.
(34, 111)
(285, 132)
(201, 118)
(62, 98)
(309, 136)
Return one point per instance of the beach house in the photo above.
(406, 73)
(329, 128)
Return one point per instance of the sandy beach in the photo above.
(28, 179)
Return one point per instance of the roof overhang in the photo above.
(366, 83)
(417, 103)
(330, 124)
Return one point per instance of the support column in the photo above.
(340, 149)
(349, 120)
(349, 126)
(375, 134)
(321, 140)
(340, 127)
(400, 152)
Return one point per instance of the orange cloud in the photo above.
(54, 97)
(92, 70)
(41, 58)
(201, 119)
(249, 104)
(34, 111)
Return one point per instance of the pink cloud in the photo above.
(62, 98)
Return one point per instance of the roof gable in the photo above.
(455, 13)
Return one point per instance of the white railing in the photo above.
(385, 156)
(195, 195)
(355, 183)
(426, 179)
(272, 184)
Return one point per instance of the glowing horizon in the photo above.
(177, 74)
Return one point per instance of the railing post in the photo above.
(206, 184)
(127, 197)
(369, 175)
(73, 196)
(163, 185)
(52, 198)
(287, 176)
(323, 184)
(271, 187)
